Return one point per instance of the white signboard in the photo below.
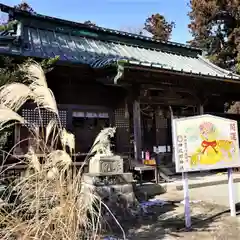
(205, 142)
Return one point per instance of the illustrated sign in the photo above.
(205, 142)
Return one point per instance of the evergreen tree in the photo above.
(159, 27)
(215, 26)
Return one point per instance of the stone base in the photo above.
(116, 191)
(106, 165)
(100, 179)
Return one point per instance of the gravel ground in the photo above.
(209, 222)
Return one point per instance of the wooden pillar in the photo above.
(17, 138)
(122, 131)
(202, 99)
(201, 109)
(172, 131)
(137, 130)
(69, 124)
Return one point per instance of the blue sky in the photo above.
(127, 15)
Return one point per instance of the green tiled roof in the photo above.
(45, 43)
(94, 28)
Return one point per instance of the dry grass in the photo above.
(50, 202)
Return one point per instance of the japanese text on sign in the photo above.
(233, 131)
(182, 150)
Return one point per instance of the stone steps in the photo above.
(168, 170)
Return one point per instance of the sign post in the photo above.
(232, 202)
(205, 142)
(187, 210)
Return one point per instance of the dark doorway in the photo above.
(86, 126)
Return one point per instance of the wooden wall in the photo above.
(84, 91)
(87, 94)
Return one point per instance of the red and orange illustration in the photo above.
(212, 149)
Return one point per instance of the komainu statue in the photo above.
(102, 143)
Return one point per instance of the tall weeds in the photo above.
(49, 200)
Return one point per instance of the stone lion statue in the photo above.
(102, 143)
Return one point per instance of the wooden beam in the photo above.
(190, 76)
(171, 102)
(162, 87)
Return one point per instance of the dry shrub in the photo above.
(49, 201)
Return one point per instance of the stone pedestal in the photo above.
(115, 188)
(108, 165)
(117, 192)
(112, 187)
(107, 179)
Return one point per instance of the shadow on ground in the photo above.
(162, 225)
(164, 222)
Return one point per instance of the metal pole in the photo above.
(231, 193)
(186, 201)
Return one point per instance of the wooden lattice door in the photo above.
(123, 145)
